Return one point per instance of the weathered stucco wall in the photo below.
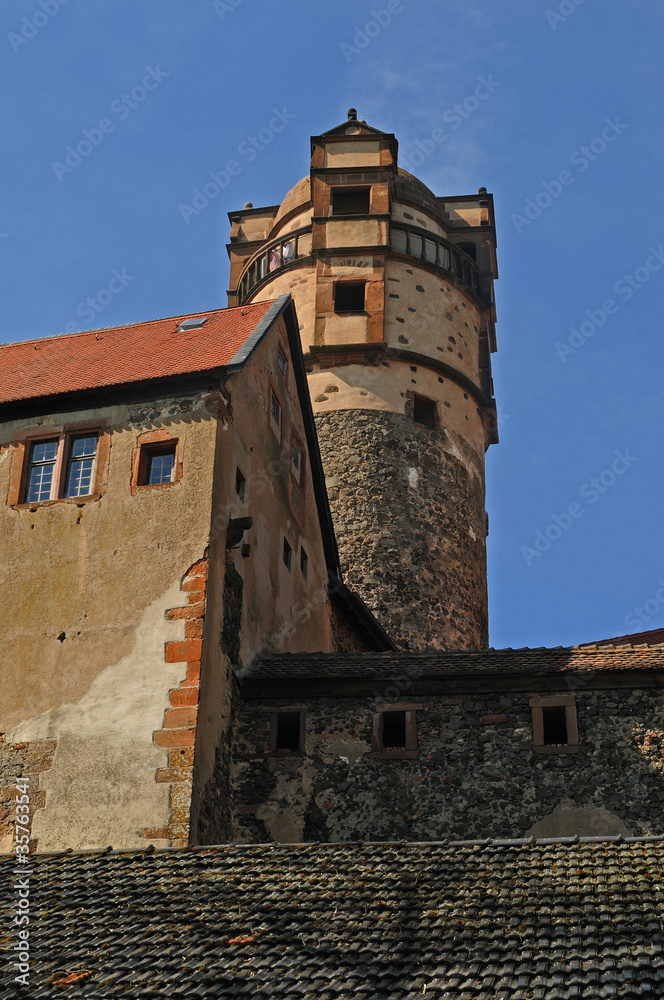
(255, 602)
(408, 509)
(473, 776)
(87, 586)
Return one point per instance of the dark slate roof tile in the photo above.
(524, 919)
(451, 663)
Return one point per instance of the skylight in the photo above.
(192, 324)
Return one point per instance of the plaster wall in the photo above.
(428, 314)
(412, 216)
(87, 585)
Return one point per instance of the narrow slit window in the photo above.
(349, 297)
(275, 416)
(281, 363)
(304, 563)
(287, 554)
(240, 485)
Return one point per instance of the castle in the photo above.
(244, 573)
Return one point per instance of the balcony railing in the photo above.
(440, 253)
(433, 250)
(274, 257)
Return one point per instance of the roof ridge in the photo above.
(486, 842)
(124, 326)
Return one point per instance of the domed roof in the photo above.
(298, 195)
(408, 188)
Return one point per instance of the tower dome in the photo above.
(393, 289)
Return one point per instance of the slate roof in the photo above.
(496, 921)
(452, 663)
(125, 354)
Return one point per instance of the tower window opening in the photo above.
(394, 729)
(287, 554)
(351, 202)
(554, 719)
(349, 297)
(424, 411)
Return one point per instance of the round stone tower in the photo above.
(393, 289)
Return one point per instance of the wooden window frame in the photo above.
(154, 443)
(22, 442)
(274, 728)
(568, 701)
(409, 752)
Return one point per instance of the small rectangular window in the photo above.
(240, 485)
(160, 467)
(424, 411)
(394, 729)
(281, 363)
(351, 202)
(287, 554)
(155, 463)
(304, 563)
(287, 732)
(349, 296)
(555, 726)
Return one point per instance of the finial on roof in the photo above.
(352, 115)
(248, 204)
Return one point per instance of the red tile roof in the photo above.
(133, 353)
(654, 637)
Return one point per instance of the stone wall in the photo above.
(408, 509)
(475, 774)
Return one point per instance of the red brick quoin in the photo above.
(178, 734)
(22, 760)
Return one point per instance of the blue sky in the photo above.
(568, 137)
